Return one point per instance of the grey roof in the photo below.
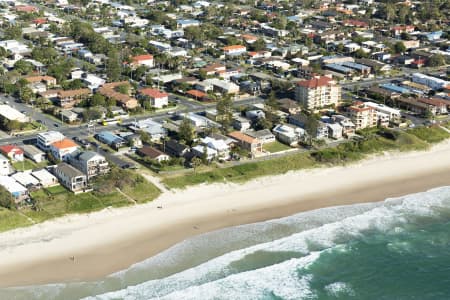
(260, 133)
(31, 150)
(69, 170)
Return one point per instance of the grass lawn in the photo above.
(275, 147)
(430, 134)
(10, 219)
(28, 164)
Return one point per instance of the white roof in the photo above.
(25, 178)
(12, 114)
(218, 145)
(383, 108)
(51, 136)
(44, 176)
(11, 185)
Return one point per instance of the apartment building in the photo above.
(362, 116)
(90, 163)
(318, 92)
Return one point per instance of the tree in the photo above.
(113, 65)
(271, 101)
(98, 100)
(6, 199)
(12, 32)
(258, 45)
(311, 126)
(186, 131)
(123, 89)
(23, 67)
(399, 47)
(196, 162)
(26, 94)
(225, 112)
(436, 60)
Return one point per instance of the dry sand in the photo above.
(113, 239)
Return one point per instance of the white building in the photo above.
(392, 113)
(45, 178)
(318, 92)
(5, 167)
(25, 179)
(61, 150)
(432, 82)
(45, 139)
(12, 114)
(18, 191)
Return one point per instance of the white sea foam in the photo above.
(385, 217)
(339, 289)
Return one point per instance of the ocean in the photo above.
(394, 249)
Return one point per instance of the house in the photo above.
(219, 145)
(33, 153)
(174, 148)
(153, 153)
(204, 151)
(157, 98)
(61, 150)
(47, 80)
(186, 23)
(142, 60)
(288, 106)
(241, 124)
(69, 98)
(110, 139)
(26, 179)
(14, 153)
(125, 100)
(45, 139)
(154, 129)
(246, 142)
(45, 178)
(318, 92)
(288, 134)
(334, 130)
(5, 167)
(348, 128)
(90, 163)
(68, 116)
(18, 191)
(234, 50)
(70, 177)
(264, 135)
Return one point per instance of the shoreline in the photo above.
(114, 239)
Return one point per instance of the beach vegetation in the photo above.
(371, 141)
(275, 147)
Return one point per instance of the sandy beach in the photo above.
(113, 239)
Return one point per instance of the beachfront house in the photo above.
(71, 178)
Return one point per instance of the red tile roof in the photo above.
(196, 94)
(64, 144)
(153, 93)
(11, 148)
(315, 82)
(142, 57)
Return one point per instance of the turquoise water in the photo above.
(396, 249)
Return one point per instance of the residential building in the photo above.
(241, 124)
(124, 100)
(45, 178)
(288, 134)
(26, 179)
(61, 150)
(142, 60)
(234, 50)
(393, 114)
(264, 135)
(33, 153)
(153, 153)
(174, 148)
(110, 139)
(69, 98)
(5, 167)
(14, 153)
(246, 142)
(219, 145)
(203, 151)
(70, 177)
(18, 191)
(90, 163)
(318, 92)
(45, 139)
(362, 116)
(157, 98)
